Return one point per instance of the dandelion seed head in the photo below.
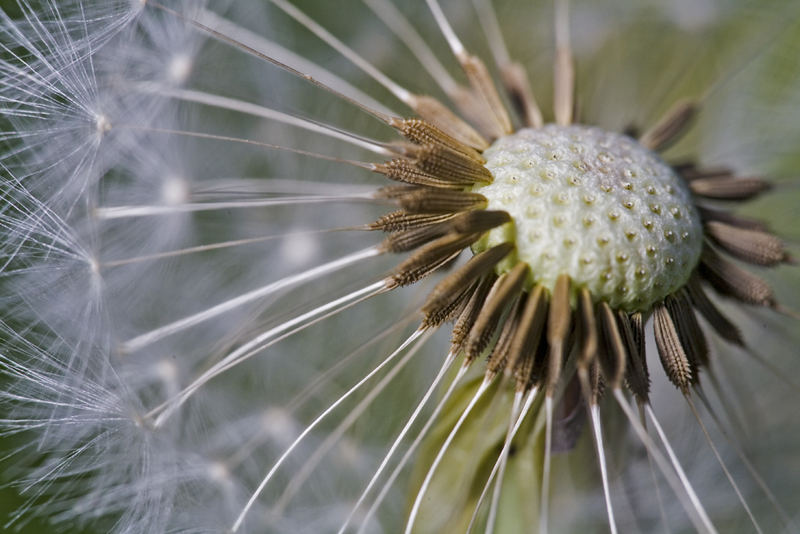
(219, 473)
(174, 190)
(279, 424)
(102, 124)
(299, 249)
(179, 68)
(597, 206)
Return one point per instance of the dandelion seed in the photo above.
(191, 343)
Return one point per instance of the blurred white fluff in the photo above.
(81, 110)
(88, 94)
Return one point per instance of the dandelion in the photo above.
(235, 242)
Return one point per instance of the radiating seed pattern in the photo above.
(557, 249)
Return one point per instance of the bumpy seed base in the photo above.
(597, 206)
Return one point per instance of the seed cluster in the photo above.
(597, 206)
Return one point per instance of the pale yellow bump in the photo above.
(535, 190)
(605, 157)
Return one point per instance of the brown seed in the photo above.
(430, 200)
(690, 171)
(729, 279)
(438, 114)
(505, 291)
(670, 127)
(522, 352)
(519, 91)
(500, 353)
(691, 335)
(752, 246)
(558, 326)
(451, 309)
(670, 351)
(728, 188)
(587, 322)
(429, 258)
(710, 214)
(411, 239)
(469, 315)
(478, 221)
(406, 171)
(463, 223)
(497, 122)
(613, 358)
(399, 221)
(449, 165)
(563, 79)
(477, 267)
(721, 324)
(637, 377)
(421, 132)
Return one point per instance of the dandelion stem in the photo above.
(432, 469)
(123, 212)
(503, 459)
(728, 475)
(269, 59)
(442, 371)
(498, 465)
(447, 30)
(240, 519)
(211, 246)
(784, 517)
(134, 344)
(244, 141)
(263, 341)
(399, 92)
(413, 447)
(257, 110)
(406, 32)
(698, 506)
(548, 451)
(601, 458)
(335, 435)
(698, 517)
(270, 48)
